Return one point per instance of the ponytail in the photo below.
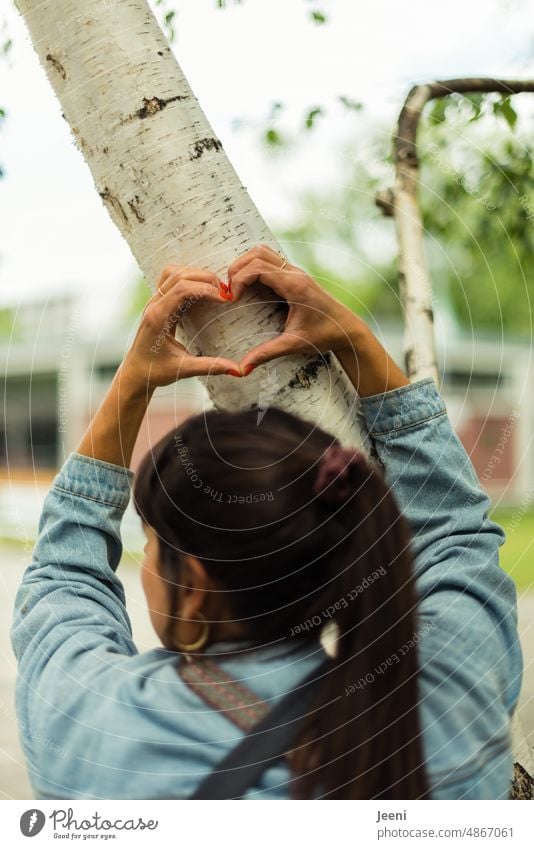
(362, 737)
(295, 529)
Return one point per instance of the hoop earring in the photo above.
(198, 643)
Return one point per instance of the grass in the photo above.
(517, 553)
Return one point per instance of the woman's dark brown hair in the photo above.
(236, 490)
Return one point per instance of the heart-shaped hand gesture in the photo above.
(315, 322)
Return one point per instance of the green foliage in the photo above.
(477, 200)
(168, 20)
(7, 323)
(504, 109)
(335, 239)
(273, 137)
(472, 107)
(312, 115)
(351, 104)
(478, 212)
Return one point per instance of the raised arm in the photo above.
(459, 580)
(71, 625)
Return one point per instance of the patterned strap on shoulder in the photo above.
(214, 686)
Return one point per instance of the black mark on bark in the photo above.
(309, 372)
(523, 784)
(113, 202)
(57, 65)
(200, 147)
(153, 105)
(133, 204)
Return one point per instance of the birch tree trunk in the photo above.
(172, 192)
(415, 286)
(401, 201)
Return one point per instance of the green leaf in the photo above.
(318, 17)
(273, 137)
(504, 109)
(355, 105)
(312, 115)
(476, 102)
(437, 112)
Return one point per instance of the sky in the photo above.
(55, 234)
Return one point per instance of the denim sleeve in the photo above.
(459, 581)
(70, 614)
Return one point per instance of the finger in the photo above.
(198, 274)
(166, 272)
(263, 252)
(281, 281)
(192, 366)
(280, 346)
(169, 310)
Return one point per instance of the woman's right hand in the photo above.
(316, 322)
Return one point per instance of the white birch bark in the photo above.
(172, 192)
(415, 287)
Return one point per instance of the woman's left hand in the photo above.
(156, 358)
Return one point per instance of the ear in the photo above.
(195, 586)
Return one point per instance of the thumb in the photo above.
(280, 346)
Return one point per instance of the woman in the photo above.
(260, 534)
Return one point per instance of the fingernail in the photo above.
(223, 286)
(233, 372)
(249, 368)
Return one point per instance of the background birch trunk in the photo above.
(415, 287)
(401, 201)
(172, 192)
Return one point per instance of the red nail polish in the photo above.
(249, 368)
(233, 372)
(223, 286)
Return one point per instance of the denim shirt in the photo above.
(99, 720)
